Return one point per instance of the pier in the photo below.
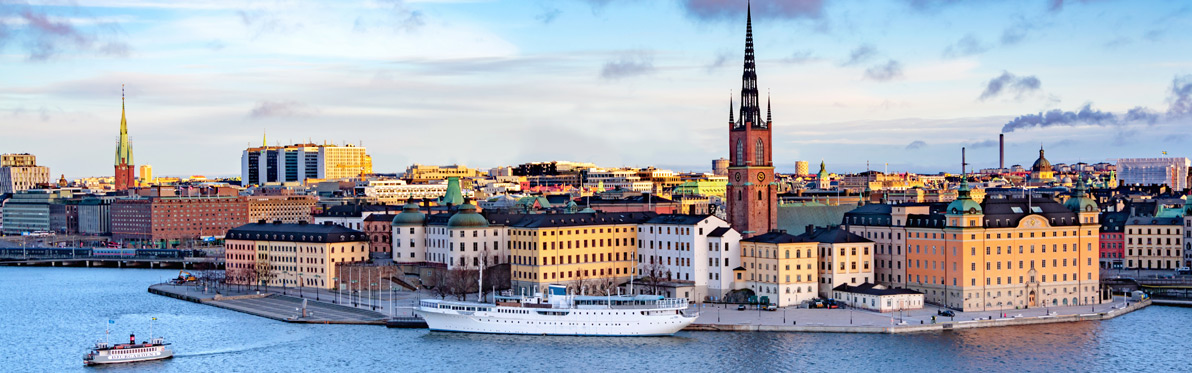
(273, 306)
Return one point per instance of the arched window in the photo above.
(759, 153)
(740, 152)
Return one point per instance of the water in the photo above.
(51, 315)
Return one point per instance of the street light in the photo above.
(284, 274)
(335, 280)
(317, 286)
(373, 301)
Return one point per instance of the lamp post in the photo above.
(335, 280)
(284, 274)
(318, 285)
(301, 284)
(354, 297)
(371, 300)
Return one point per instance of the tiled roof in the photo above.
(296, 233)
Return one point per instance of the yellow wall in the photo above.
(771, 273)
(565, 255)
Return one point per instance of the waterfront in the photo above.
(53, 314)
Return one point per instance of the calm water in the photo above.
(51, 315)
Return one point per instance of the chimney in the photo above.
(262, 221)
(1001, 151)
(810, 228)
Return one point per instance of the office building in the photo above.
(1172, 172)
(20, 172)
(299, 162)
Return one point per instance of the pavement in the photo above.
(275, 305)
(720, 314)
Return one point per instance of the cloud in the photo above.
(800, 57)
(399, 17)
(732, 10)
(1085, 116)
(983, 144)
(1180, 98)
(266, 109)
(721, 60)
(861, 53)
(917, 144)
(884, 72)
(628, 65)
(548, 15)
(1019, 85)
(44, 36)
(967, 46)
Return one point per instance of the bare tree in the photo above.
(264, 272)
(654, 275)
(439, 283)
(462, 281)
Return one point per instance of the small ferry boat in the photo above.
(105, 353)
(560, 314)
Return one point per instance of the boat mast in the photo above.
(480, 283)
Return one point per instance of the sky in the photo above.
(899, 85)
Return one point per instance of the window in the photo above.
(759, 153)
(740, 152)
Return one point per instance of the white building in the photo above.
(700, 249)
(296, 163)
(20, 172)
(878, 298)
(1172, 172)
(618, 179)
(393, 191)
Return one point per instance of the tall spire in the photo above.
(264, 141)
(768, 111)
(123, 147)
(750, 110)
(730, 106)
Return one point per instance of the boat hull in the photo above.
(165, 353)
(615, 323)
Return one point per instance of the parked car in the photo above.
(771, 307)
(1184, 271)
(740, 307)
(946, 313)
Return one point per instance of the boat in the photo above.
(558, 313)
(106, 353)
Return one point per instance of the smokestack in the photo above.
(1001, 151)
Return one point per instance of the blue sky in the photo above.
(616, 82)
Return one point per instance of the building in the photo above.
(844, 258)
(823, 181)
(29, 210)
(752, 206)
(166, 220)
(700, 250)
(878, 298)
(465, 240)
(617, 179)
(802, 168)
(64, 215)
(299, 162)
(1154, 242)
(1041, 171)
(779, 268)
(125, 179)
(145, 174)
(380, 235)
(409, 235)
(591, 253)
(352, 216)
(638, 203)
(277, 254)
(421, 174)
(95, 216)
(394, 192)
(285, 208)
(720, 166)
(1003, 253)
(1172, 172)
(1113, 239)
(20, 172)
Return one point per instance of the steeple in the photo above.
(123, 147)
(768, 111)
(264, 142)
(730, 107)
(750, 110)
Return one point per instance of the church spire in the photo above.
(123, 147)
(730, 106)
(750, 108)
(768, 111)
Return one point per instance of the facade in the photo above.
(29, 211)
(125, 168)
(380, 235)
(167, 220)
(1154, 243)
(299, 162)
(802, 168)
(1041, 171)
(1172, 172)
(465, 240)
(878, 298)
(591, 252)
(17, 178)
(393, 192)
(302, 254)
(352, 216)
(844, 258)
(700, 250)
(18, 160)
(145, 174)
(720, 167)
(285, 208)
(779, 268)
(617, 179)
(1113, 239)
(419, 174)
(752, 205)
(1002, 253)
(409, 235)
(95, 216)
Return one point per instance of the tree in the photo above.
(438, 283)
(652, 276)
(264, 272)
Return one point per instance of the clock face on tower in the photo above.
(761, 176)
(737, 176)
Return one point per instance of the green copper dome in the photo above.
(963, 203)
(409, 216)
(467, 217)
(1080, 201)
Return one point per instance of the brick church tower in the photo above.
(752, 192)
(125, 177)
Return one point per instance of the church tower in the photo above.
(125, 169)
(752, 192)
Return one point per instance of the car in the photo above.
(740, 307)
(771, 307)
(1184, 271)
(946, 313)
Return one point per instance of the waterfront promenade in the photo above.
(273, 305)
(727, 318)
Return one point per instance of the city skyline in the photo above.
(847, 83)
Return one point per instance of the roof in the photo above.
(719, 232)
(1114, 222)
(355, 210)
(873, 289)
(1138, 220)
(677, 219)
(1012, 210)
(794, 218)
(380, 217)
(778, 236)
(301, 232)
(570, 220)
(832, 235)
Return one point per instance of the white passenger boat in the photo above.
(560, 314)
(106, 353)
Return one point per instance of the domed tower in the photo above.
(1041, 171)
(964, 212)
(1083, 205)
(409, 234)
(468, 239)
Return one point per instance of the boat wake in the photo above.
(224, 351)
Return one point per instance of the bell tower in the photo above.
(752, 198)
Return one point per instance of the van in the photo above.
(1184, 271)
(771, 307)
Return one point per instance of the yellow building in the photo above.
(1154, 243)
(277, 254)
(779, 268)
(419, 174)
(844, 259)
(286, 208)
(590, 253)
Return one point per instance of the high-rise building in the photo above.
(124, 162)
(720, 167)
(299, 162)
(752, 192)
(802, 168)
(145, 174)
(20, 172)
(1172, 172)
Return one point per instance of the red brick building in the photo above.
(379, 228)
(752, 198)
(171, 220)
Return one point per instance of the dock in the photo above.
(273, 306)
